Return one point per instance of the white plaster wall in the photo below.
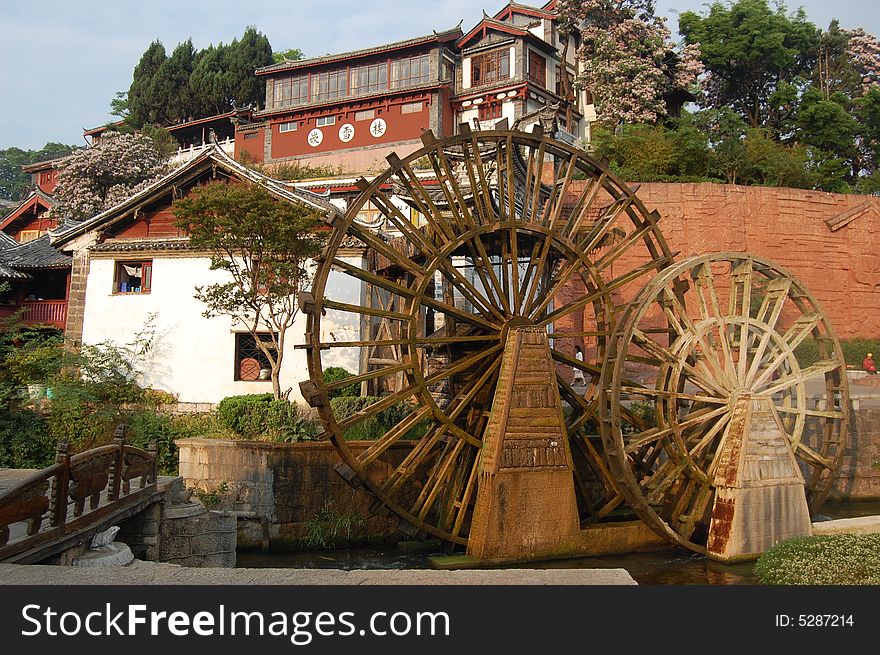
(508, 111)
(468, 115)
(538, 30)
(193, 356)
(512, 62)
(466, 73)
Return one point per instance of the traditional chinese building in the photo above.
(348, 111)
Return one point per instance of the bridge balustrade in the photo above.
(75, 492)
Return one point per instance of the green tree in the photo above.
(246, 55)
(13, 180)
(835, 70)
(291, 54)
(867, 111)
(750, 49)
(210, 81)
(143, 106)
(830, 131)
(265, 246)
(170, 86)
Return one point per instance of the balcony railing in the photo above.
(39, 312)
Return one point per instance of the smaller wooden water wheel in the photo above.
(703, 334)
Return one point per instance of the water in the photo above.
(674, 566)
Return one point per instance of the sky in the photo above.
(62, 62)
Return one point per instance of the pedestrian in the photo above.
(578, 372)
(869, 364)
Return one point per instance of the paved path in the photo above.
(148, 573)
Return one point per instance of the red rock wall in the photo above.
(788, 226)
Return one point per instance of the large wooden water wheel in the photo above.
(703, 334)
(489, 230)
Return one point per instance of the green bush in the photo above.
(147, 425)
(25, 440)
(337, 373)
(854, 351)
(261, 416)
(845, 559)
(375, 426)
(245, 415)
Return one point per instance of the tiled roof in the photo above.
(34, 254)
(448, 35)
(132, 245)
(214, 155)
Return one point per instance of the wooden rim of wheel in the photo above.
(504, 234)
(683, 334)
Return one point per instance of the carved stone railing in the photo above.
(74, 493)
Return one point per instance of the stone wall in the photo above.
(859, 475)
(831, 241)
(181, 532)
(278, 490)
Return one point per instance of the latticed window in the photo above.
(368, 79)
(328, 86)
(410, 71)
(490, 67)
(489, 111)
(251, 363)
(291, 91)
(537, 69)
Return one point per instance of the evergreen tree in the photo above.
(170, 86)
(143, 106)
(209, 83)
(252, 52)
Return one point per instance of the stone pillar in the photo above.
(76, 300)
(759, 498)
(525, 505)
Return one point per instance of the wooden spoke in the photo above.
(579, 303)
(394, 434)
(499, 239)
(696, 368)
(371, 375)
(461, 365)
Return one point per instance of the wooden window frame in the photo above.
(490, 67)
(537, 69)
(489, 111)
(410, 71)
(146, 285)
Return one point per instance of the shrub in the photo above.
(147, 425)
(845, 559)
(260, 415)
(375, 426)
(854, 351)
(245, 415)
(335, 374)
(25, 440)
